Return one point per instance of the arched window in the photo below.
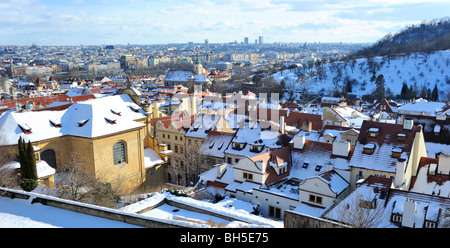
(119, 152)
(49, 156)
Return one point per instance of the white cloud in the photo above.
(216, 20)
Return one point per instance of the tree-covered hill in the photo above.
(428, 36)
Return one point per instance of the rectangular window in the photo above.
(315, 199)
(229, 160)
(247, 176)
(396, 218)
(275, 212)
(430, 224)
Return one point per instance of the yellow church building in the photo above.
(111, 133)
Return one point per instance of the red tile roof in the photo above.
(281, 155)
(387, 134)
(437, 178)
(46, 100)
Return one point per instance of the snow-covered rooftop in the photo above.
(92, 118)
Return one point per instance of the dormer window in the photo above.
(318, 167)
(305, 165)
(369, 148)
(25, 128)
(115, 112)
(238, 145)
(82, 122)
(55, 123)
(220, 145)
(401, 137)
(135, 109)
(373, 132)
(256, 148)
(396, 152)
(110, 121)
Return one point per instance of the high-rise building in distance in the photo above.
(260, 40)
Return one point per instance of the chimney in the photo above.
(400, 172)
(282, 125)
(408, 124)
(409, 210)
(299, 141)
(444, 164)
(341, 148)
(221, 169)
(330, 166)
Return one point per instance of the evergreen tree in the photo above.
(380, 91)
(411, 93)
(348, 86)
(423, 93)
(22, 157)
(32, 171)
(428, 94)
(404, 93)
(435, 94)
(27, 160)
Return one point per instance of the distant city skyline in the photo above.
(102, 22)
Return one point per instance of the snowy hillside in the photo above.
(417, 69)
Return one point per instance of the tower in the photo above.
(198, 67)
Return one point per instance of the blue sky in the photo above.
(97, 22)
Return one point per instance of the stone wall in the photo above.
(297, 220)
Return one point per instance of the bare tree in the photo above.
(359, 210)
(186, 171)
(77, 183)
(9, 178)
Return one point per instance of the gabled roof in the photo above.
(180, 120)
(314, 157)
(335, 182)
(385, 141)
(291, 118)
(281, 155)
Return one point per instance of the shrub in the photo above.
(28, 184)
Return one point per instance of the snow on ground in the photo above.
(20, 213)
(227, 207)
(417, 68)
